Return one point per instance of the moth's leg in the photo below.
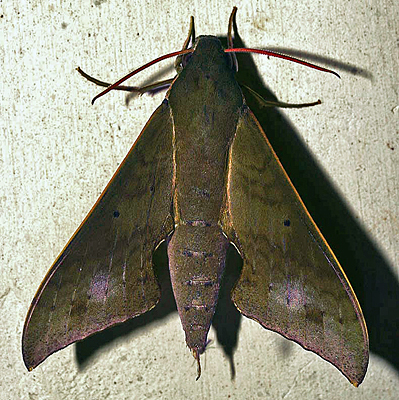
(141, 90)
(191, 35)
(232, 23)
(268, 103)
(190, 39)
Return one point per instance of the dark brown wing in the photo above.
(291, 281)
(104, 275)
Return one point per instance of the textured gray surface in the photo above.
(58, 152)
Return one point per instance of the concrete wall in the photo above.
(58, 152)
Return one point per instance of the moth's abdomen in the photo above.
(196, 258)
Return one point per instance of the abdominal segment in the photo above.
(197, 255)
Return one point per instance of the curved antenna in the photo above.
(283, 56)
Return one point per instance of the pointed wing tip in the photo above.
(29, 365)
(30, 362)
(356, 381)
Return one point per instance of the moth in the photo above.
(201, 175)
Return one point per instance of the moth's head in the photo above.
(206, 48)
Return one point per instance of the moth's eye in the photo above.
(186, 59)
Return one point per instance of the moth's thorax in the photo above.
(205, 102)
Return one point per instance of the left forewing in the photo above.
(104, 275)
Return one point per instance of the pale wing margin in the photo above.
(104, 275)
(291, 281)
